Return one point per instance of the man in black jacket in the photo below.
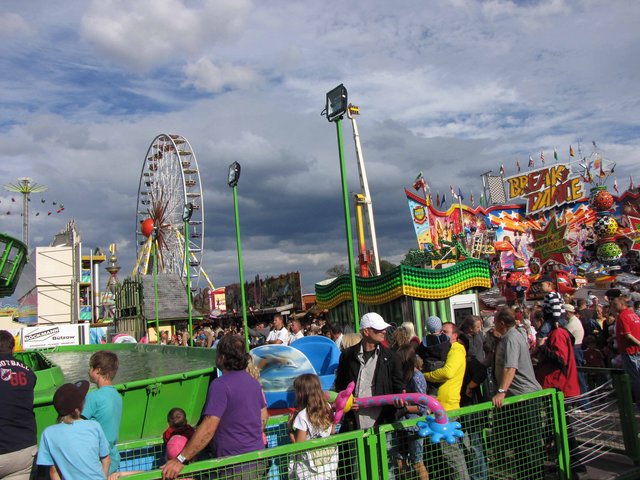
(375, 371)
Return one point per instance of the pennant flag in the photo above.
(483, 201)
(460, 194)
(597, 164)
(518, 165)
(502, 169)
(615, 185)
(555, 155)
(444, 200)
(419, 182)
(438, 200)
(542, 157)
(571, 154)
(473, 202)
(453, 193)
(630, 182)
(531, 163)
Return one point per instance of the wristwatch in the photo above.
(182, 459)
(502, 390)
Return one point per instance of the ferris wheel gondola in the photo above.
(170, 179)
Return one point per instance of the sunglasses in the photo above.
(375, 330)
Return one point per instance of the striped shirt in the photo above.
(553, 307)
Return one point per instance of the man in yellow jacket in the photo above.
(451, 374)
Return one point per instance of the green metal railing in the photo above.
(526, 439)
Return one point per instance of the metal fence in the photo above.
(603, 420)
(526, 439)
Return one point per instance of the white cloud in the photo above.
(206, 76)
(13, 25)
(147, 33)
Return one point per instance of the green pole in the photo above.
(155, 287)
(417, 312)
(188, 275)
(239, 247)
(347, 221)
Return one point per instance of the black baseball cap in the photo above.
(70, 396)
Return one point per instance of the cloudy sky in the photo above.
(452, 88)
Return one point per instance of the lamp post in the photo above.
(186, 216)
(154, 237)
(335, 109)
(234, 176)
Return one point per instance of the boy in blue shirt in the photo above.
(105, 403)
(74, 447)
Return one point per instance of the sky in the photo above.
(452, 88)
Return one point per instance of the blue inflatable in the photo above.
(279, 366)
(323, 354)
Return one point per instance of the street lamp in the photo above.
(186, 216)
(232, 180)
(335, 108)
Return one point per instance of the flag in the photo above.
(571, 154)
(531, 163)
(419, 182)
(630, 182)
(443, 201)
(438, 200)
(502, 169)
(453, 193)
(518, 165)
(542, 157)
(473, 202)
(460, 194)
(483, 201)
(555, 155)
(615, 185)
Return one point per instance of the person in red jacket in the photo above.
(557, 369)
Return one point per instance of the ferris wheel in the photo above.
(170, 180)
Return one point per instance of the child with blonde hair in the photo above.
(313, 419)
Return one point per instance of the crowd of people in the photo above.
(519, 350)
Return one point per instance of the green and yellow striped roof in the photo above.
(407, 281)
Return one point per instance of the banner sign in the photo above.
(420, 219)
(55, 335)
(546, 188)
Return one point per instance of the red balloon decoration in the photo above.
(147, 227)
(602, 201)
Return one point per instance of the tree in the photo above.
(386, 266)
(337, 270)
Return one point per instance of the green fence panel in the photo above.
(518, 441)
(339, 456)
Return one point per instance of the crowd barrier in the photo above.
(604, 419)
(526, 439)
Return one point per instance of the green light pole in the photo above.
(186, 216)
(234, 176)
(154, 238)
(335, 109)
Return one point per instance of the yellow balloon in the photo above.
(349, 404)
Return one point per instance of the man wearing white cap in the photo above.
(375, 371)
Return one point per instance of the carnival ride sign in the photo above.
(546, 187)
(549, 244)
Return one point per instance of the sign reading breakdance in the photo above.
(546, 187)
